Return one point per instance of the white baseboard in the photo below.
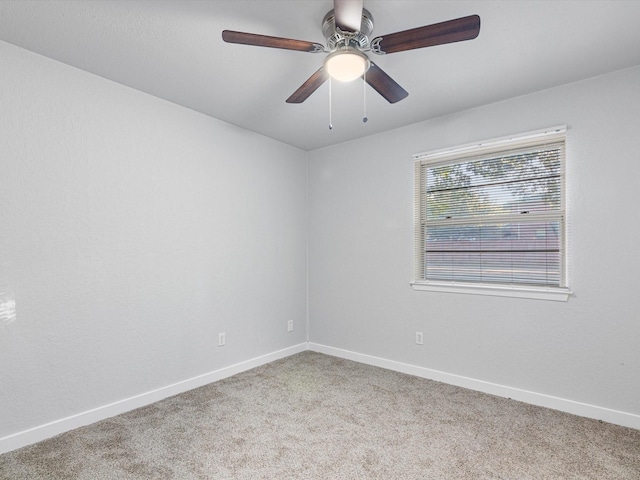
(48, 430)
(570, 406)
(42, 432)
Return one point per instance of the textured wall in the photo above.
(361, 252)
(132, 231)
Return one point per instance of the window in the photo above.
(490, 218)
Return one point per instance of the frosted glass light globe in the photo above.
(346, 65)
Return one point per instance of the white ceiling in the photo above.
(173, 49)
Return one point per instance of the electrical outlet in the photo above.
(290, 326)
(222, 339)
(419, 338)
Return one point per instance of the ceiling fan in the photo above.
(347, 28)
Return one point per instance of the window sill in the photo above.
(558, 294)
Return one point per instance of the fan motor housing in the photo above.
(338, 39)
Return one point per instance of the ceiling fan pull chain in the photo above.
(330, 124)
(364, 97)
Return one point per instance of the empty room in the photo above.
(322, 239)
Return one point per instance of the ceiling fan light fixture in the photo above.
(346, 65)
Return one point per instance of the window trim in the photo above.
(450, 155)
(558, 294)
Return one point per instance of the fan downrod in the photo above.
(339, 39)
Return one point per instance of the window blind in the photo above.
(493, 213)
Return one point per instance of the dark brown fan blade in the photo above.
(384, 84)
(230, 36)
(465, 28)
(308, 87)
(348, 14)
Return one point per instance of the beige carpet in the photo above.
(312, 416)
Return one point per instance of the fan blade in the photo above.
(348, 14)
(465, 28)
(308, 87)
(384, 84)
(230, 36)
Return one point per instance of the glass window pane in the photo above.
(522, 253)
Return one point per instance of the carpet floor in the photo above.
(313, 416)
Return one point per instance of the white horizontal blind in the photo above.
(493, 214)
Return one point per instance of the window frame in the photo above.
(465, 153)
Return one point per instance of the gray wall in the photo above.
(132, 231)
(361, 252)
